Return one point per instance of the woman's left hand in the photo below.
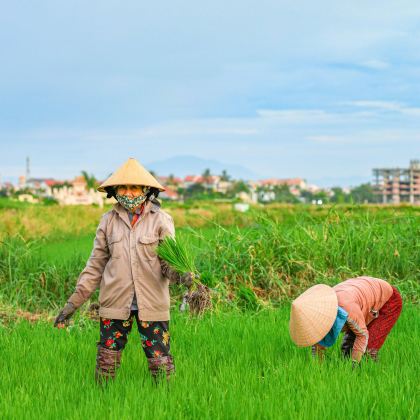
(65, 314)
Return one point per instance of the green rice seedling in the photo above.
(181, 259)
(177, 255)
(230, 365)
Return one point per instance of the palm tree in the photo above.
(90, 180)
(225, 176)
(171, 179)
(206, 175)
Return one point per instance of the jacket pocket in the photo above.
(114, 245)
(147, 246)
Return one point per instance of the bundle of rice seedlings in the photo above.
(181, 259)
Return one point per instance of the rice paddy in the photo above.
(231, 365)
(234, 362)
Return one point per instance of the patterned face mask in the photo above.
(130, 203)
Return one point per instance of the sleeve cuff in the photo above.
(357, 355)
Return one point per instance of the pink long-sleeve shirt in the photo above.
(362, 298)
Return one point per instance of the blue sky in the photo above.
(321, 90)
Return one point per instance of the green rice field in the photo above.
(229, 366)
(237, 362)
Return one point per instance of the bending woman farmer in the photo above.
(364, 308)
(133, 282)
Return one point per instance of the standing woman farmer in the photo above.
(133, 281)
(364, 308)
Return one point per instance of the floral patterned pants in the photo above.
(154, 335)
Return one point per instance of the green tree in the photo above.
(91, 181)
(171, 179)
(239, 186)
(194, 191)
(339, 196)
(283, 194)
(224, 176)
(206, 175)
(363, 193)
(309, 196)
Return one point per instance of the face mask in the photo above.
(130, 203)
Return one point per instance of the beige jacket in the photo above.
(123, 262)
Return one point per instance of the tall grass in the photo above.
(29, 281)
(228, 366)
(33, 221)
(268, 261)
(279, 260)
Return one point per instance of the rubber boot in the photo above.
(107, 363)
(160, 367)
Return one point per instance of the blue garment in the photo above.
(331, 337)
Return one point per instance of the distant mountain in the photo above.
(193, 165)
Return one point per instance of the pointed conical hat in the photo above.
(313, 314)
(131, 173)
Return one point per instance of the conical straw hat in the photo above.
(131, 173)
(313, 314)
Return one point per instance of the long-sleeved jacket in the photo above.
(123, 262)
(362, 298)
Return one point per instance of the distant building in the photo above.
(8, 186)
(77, 193)
(296, 185)
(290, 182)
(169, 194)
(28, 198)
(250, 197)
(398, 185)
(39, 185)
(266, 187)
(211, 183)
(171, 181)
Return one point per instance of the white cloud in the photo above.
(392, 106)
(379, 137)
(297, 116)
(376, 64)
(385, 105)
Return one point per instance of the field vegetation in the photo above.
(257, 259)
(230, 365)
(236, 361)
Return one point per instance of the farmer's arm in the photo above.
(167, 228)
(91, 276)
(357, 324)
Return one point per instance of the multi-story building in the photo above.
(399, 185)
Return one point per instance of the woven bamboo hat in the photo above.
(131, 173)
(313, 314)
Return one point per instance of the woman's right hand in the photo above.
(187, 279)
(64, 315)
